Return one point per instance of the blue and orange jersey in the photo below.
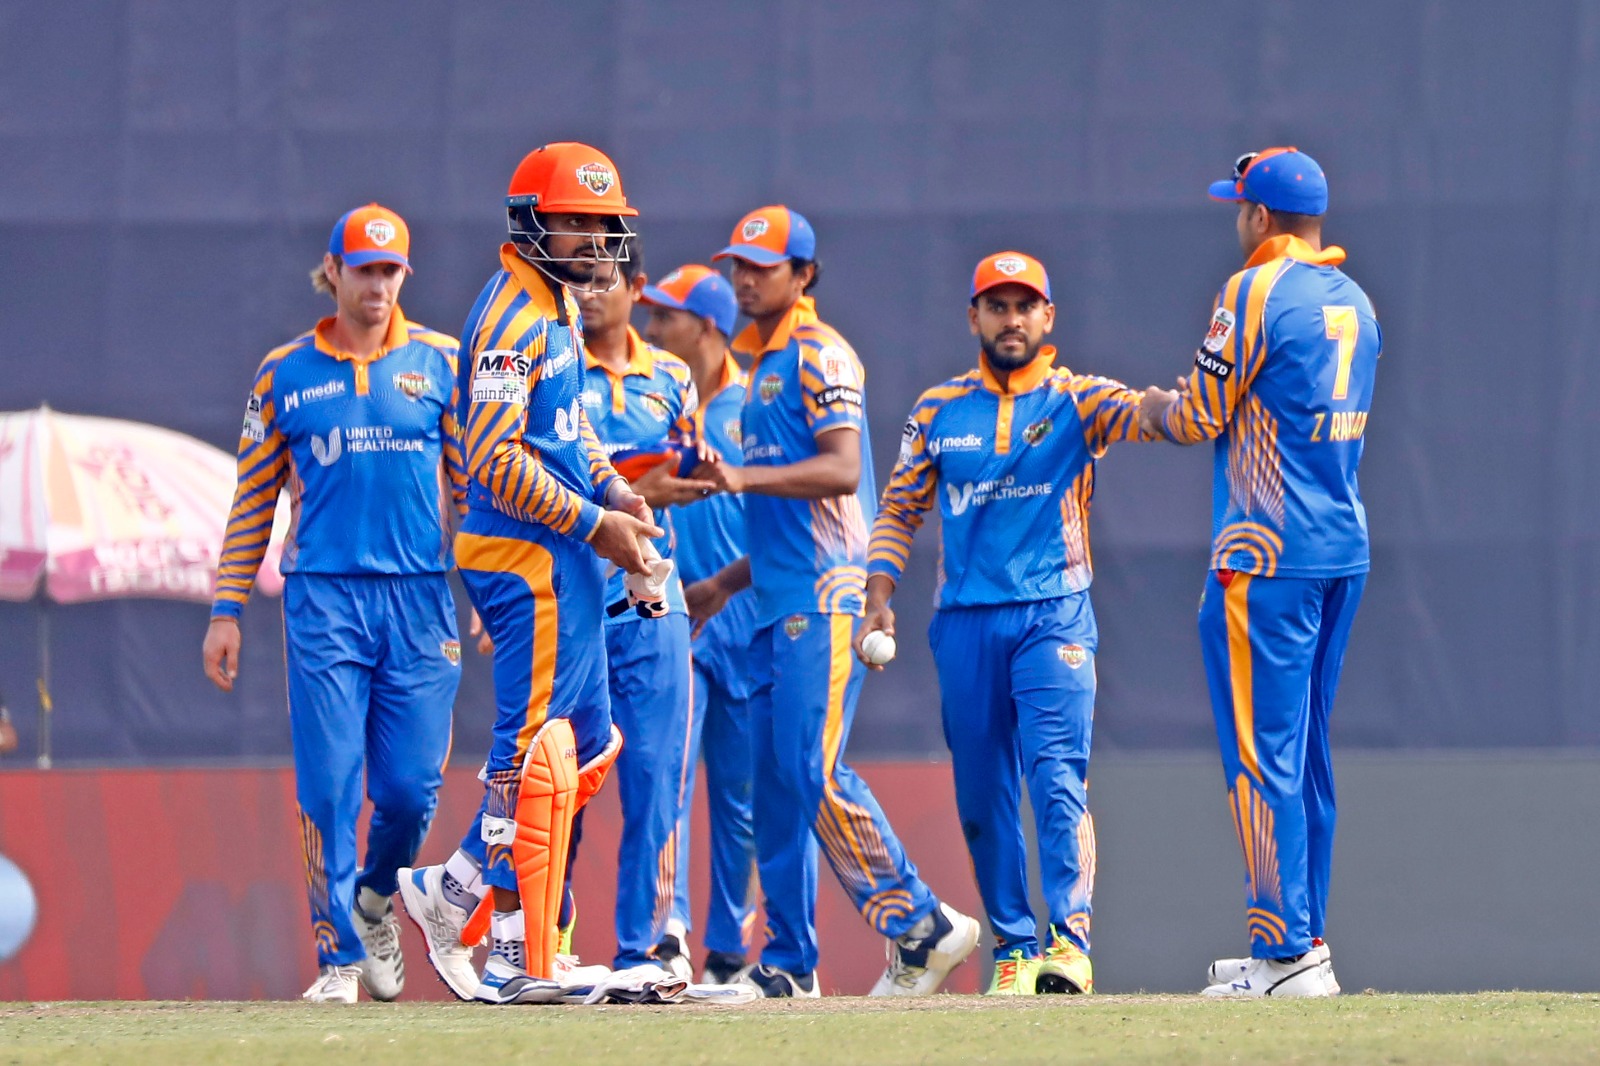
(530, 451)
(805, 555)
(711, 531)
(651, 403)
(1016, 464)
(1283, 381)
(369, 450)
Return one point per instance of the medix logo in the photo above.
(963, 443)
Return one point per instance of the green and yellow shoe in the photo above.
(1065, 968)
(1013, 975)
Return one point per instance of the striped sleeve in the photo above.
(1109, 411)
(907, 498)
(1230, 356)
(498, 458)
(263, 469)
(831, 380)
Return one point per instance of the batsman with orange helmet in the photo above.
(807, 476)
(357, 418)
(1283, 382)
(1014, 444)
(544, 510)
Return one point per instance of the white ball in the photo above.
(878, 647)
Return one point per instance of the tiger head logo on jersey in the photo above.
(597, 178)
(771, 386)
(412, 384)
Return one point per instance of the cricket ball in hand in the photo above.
(878, 647)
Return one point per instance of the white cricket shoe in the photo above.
(1223, 971)
(1300, 979)
(336, 984)
(440, 923)
(506, 983)
(919, 964)
(383, 972)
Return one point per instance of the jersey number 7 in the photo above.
(1342, 327)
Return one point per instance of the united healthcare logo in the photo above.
(968, 495)
(569, 422)
(327, 450)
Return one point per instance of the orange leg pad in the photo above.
(547, 801)
(592, 774)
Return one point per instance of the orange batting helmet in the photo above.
(568, 178)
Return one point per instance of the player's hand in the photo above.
(879, 617)
(725, 476)
(475, 629)
(621, 497)
(704, 599)
(660, 488)
(1153, 407)
(221, 652)
(617, 539)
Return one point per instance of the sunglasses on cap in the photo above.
(1242, 164)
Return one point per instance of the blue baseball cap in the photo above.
(371, 234)
(769, 235)
(1280, 179)
(698, 290)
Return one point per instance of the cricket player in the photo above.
(692, 315)
(544, 509)
(357, 418)
(640, 398)
(1013, 445)
(1283, 382)
(807, 475)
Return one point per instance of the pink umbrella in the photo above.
(101, 508)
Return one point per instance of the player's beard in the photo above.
(1000, 361)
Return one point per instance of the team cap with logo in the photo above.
(769, 235)
(1280, 179)
(371, 234)
(571, 178)
(1011, 268)
(698, 290)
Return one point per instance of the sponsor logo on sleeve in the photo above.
(839, 396)
(255, 428)
(908, 440)
(1209, 358)
(500, 376)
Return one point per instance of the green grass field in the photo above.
(1487, 1028)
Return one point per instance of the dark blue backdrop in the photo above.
(169, 170)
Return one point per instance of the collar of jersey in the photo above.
(535, 284)
(398, 336)
(802, 313)
(1024, 380)
(640, 361)
(1288, 246)
(732, 374)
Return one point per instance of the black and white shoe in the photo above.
(721, 968)
(773, 983)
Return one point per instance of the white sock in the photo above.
(507, 935)
(371, 904)
(463, 881)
